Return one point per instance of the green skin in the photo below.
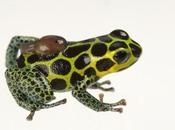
(32, 91)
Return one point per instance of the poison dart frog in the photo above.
(53, 64)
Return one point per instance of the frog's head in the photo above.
(123, 50)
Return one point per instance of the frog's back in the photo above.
(93, 57)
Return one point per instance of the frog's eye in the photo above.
(50, 44)
(121, 57)
(120, 34)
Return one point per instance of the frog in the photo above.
(34, 75)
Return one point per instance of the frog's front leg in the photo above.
(30, 89)
(97, 85)
(80, 93)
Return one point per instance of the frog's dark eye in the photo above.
(121, 57)
(120, 34)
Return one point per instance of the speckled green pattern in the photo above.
(30, 88)
(80, 93)
(12, 50)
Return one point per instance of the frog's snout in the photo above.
(136, 49)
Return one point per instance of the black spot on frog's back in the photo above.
(37, 57)
(43, 69)
(61, 67)
(99, 49)
(82, 61)
(75, 50)
(104, 64)
(48, 57)
(105, 39)
(117, 44)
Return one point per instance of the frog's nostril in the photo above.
(136, 50)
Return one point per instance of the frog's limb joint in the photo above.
(98, 85)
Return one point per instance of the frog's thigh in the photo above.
(29, 87)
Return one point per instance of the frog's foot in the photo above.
(83, 96)
(122, 102)
(30, 116)
(98, 85)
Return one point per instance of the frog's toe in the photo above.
(106, 82)
(30, 116)
(113, 108)
(120, 110)
(111, 89)
(101, 96)
(98, 85)
(122, 102)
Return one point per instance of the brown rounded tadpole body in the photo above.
(46, 45)
(50, 44)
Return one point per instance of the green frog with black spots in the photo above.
(52, 64)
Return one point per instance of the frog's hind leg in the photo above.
(13, 47)
(30, 89)
(98, 85)
(80, 93)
